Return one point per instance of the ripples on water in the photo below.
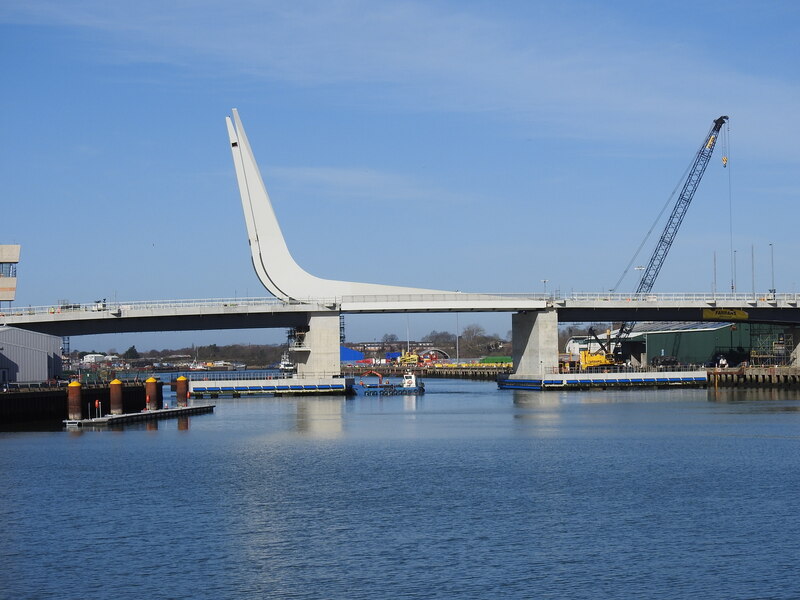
(467, 492)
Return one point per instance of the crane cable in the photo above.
(725, 155)
(652, 227)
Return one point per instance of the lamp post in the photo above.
(772, 268)
(544, 281)
(639, 268)
(714, 285)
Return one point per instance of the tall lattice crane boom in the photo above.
(696, 171)
(679, 210)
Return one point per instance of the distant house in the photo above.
(93, 359)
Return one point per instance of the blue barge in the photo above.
(235, 387)
(582, 381)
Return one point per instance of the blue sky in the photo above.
(478, 146)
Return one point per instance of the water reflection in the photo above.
(541, 409)
(751, 394)
(319, 417)
(526, 398)
(552, 398)
(410, 403)
(763, 400)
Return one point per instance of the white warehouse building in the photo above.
(27, 356)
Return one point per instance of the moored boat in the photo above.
(409, 386)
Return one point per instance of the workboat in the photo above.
(409, 386)
(286, 366)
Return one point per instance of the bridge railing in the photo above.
(103, 306)
(262, 303)
(679, 297)
(577, 297)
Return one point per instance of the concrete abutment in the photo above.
(317, 354)
(534, 343)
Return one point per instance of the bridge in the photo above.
(244, 313)
(313, 305)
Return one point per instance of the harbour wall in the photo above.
(752, 377)
(40, 405)
(756, 377)
(478, 372)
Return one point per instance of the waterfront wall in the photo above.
(756, 377)
(50, 404)
(476, 372)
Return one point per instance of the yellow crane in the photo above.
(603, 357)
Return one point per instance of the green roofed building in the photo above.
(665, 343)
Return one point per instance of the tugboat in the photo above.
(286, 367)
(409, 387)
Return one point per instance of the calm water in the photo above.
(468, 492)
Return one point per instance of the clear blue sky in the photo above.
(479, 146)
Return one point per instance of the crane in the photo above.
(650, 273)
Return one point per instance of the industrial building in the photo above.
(698, 343)
(27, 356)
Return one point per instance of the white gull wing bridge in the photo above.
(273, 262)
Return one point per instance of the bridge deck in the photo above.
(239, 313)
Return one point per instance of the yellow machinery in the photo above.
(408, 359)
(595, 359)
(603, 357)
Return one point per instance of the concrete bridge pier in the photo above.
(316, 349)
(534, 340)
(795, 357)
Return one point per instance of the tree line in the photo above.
(473, 342)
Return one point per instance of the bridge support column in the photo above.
(318, 353)
(534, 339)
(795, 356)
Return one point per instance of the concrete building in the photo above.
(9, 257)
(27, 356)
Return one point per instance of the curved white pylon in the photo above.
(273, 262)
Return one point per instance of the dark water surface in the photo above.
(467, 492)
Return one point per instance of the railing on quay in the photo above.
(195, 375)
(260, 374)
(501, 367)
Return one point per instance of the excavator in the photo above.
(608, 356)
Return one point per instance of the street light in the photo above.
(544, 281)
(639, 268)
(714, 285)
(772, 268)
